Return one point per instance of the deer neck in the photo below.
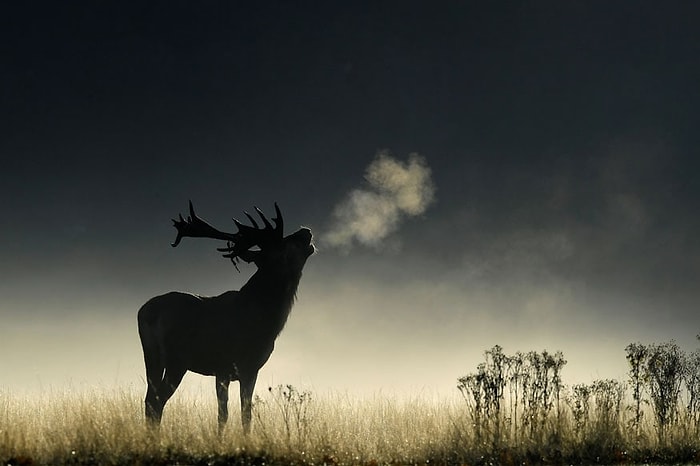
(274, 292)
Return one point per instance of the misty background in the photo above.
(522, 174)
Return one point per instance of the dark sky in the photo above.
(561, 137)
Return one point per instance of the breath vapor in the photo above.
(394, 191)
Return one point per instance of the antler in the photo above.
(195, 227)
(239, 243)
(249, 236)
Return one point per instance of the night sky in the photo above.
(557, 142)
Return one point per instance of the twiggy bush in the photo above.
(662, 376)
(514, 407)
(291, 406)
(534, 390)
(608, 395)
(691, 378)
(664, 372)
(484, 393)
(580, 404)
(636, 354)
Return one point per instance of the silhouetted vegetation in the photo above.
(514, 409)
(292, 406)
(529, 384)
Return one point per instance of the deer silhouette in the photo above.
(229, 336)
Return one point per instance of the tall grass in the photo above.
(108, 427)
(512, 410)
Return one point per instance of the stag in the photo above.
(229, 336)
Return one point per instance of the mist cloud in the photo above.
(394, 190)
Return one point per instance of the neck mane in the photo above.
(272, 293)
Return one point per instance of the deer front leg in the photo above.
(247, 386)
(222, 384)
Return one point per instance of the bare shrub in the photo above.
(528, 384)
(691, 379)
(664, 374)
(291, 406)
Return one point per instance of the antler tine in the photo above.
(279, 221)
(192, 214)
(180, 224)
(243, 227)
(252, 220)
(178, 238)
(264, 219)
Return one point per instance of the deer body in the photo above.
(229, 336)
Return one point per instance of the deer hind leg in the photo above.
(154, 378)
(171, 380)
(222, 384)
(160, 391)
(154, 408)
(247, 382)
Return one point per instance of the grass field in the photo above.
(108, 427)
(505, 413)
